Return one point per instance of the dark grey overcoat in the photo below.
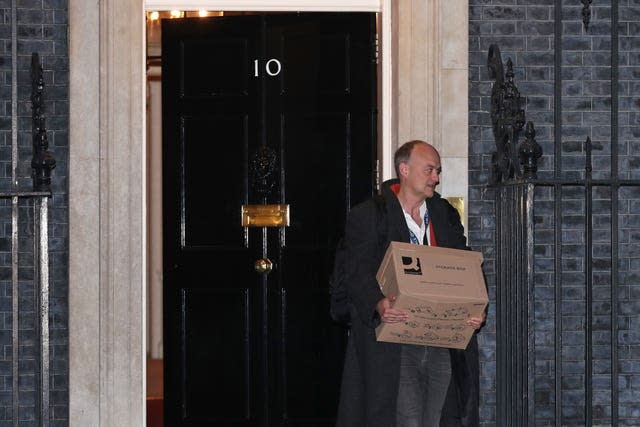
(370, 377)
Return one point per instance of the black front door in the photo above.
(264, 109)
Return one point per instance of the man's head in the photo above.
(418, 168)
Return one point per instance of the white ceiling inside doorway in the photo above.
(266, 5)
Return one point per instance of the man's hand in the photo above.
(476, 321)
(387, 313)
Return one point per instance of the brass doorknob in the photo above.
(263, 265)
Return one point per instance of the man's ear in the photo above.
(404, 169)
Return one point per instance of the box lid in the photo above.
(432, 272)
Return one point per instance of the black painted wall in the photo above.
(41, 27)
(566, 72)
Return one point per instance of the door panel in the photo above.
(316, 148)
(201, 364)
(202, 164)
(242, 348)
(221, 72)
(319, 66)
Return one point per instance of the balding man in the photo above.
(388, 384)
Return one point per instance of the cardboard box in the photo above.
(439, 287)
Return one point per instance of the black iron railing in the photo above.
(516, 188)
(37, 199)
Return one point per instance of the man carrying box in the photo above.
(387, 384)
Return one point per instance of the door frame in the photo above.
(107, 171)
(107, 196)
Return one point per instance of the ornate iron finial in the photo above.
(586, 13)
(507, 118)
(42, 161)
(530, 152)
(263, 166)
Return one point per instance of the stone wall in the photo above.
(565, 70)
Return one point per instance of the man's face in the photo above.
(422, 171)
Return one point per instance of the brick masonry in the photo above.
(41, 27)
(524, 30)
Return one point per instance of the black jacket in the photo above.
(371, 369)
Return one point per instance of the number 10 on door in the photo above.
(272, 67)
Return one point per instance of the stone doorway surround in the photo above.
(423, 70)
